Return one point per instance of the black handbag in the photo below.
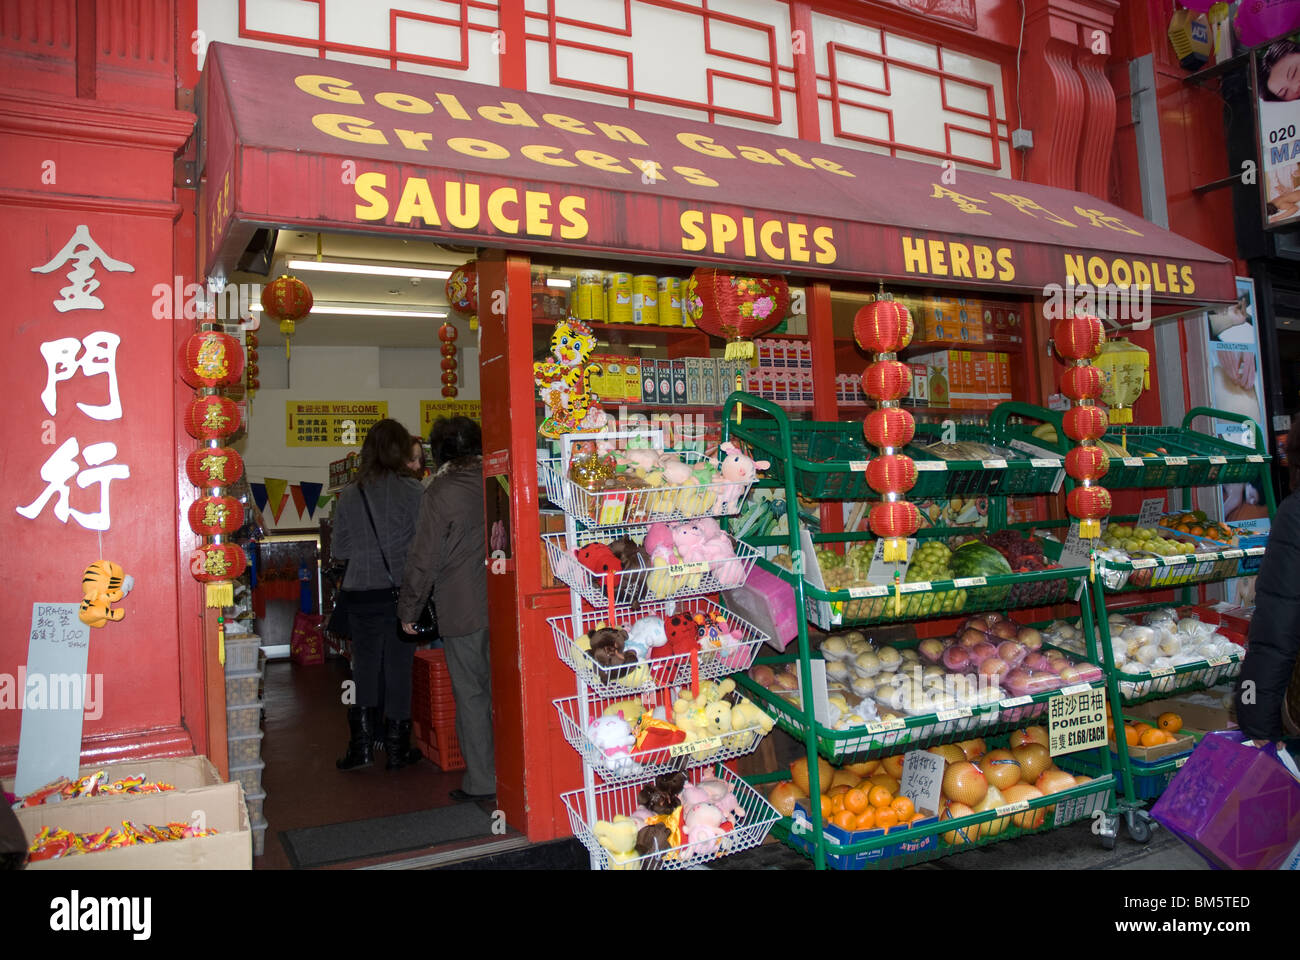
(426, 627)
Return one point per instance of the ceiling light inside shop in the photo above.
(370, 269)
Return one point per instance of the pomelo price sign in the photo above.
(922, 780)
(1076, 721)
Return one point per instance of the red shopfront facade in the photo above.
(495, 167)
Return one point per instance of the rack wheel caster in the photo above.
(1139, 825)
(1107, 829)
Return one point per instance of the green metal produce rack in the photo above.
(826, 460)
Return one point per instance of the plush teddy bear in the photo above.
(664, 795)
(645, 636)
(744, 717)
(677, 472)
(720, 794)
(612, 735)
(608, 647)
(618, 837)
(653, 838)
(702, 831)
(717, 549)
(738, 469)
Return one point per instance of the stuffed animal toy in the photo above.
(654, 735)
(563, 382)
(608, 647)
(658, 540)
(677, 472)
(725, 641)
(717, 549)
(653, 838)
(629, 553)
(598, 558)
(703, 827)
(738, 469)
(103, 583)
(702, 718)
(618, 837)
(717, 719)
(646, 636)
(664, 795)
(613, 737)
(721, 795)
(745, 717)
(642, 462)
(682, 632)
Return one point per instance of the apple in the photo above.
(931, 649)
(957, 659)
(1035, 661)
(971, 637)
(1005, 630)
(982, 651)
(994, 667)
(1030, 637)
(1012, 652)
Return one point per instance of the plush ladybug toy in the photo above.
(683, 633)
(599, 558)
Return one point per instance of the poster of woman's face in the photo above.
(1235, 375)
(1277, 96)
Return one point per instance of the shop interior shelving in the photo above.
(611, 784)
(1163, 458)
(823, 461)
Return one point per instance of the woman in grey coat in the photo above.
(373, 525)
(449, 553)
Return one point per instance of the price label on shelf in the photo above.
(1204, 557)
(1142, 563)
(939, 465)
(1048, 463)
(916, 586)
(961, 583)
(884, 726)
(1152, 510)
(1076, 721)
(1008, 808)
(1076, 688)
(1220, 661)
(690, 746)
(1179, 763)
(1161, 671)
(958, 713)
(858, 593)
(1218, 461)
(922, 780)
(1132, 461)
(1174, 560)
(1176, 461)
(995, 464)
(1254, 458)
(1233, 554)
(684, 569)
(858, 466)
(1010, 702)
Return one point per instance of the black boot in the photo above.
(361, 723)
(397, 745)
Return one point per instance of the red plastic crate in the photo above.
(441, 748)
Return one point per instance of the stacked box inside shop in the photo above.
(245, 685)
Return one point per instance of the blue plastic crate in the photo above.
(859, 861)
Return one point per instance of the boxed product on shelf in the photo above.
(677, 394)
(182, 773)
(709, 381)
(649, 380)
(694, 386)
(222, 807)
(631, 379)
(664, 388)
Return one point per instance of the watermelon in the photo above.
(977, 559)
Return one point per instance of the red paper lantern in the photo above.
(287, 300)
(218, 565)
(889, 428)
(887, 380)
(448, 333)
(449, 349)
(462, 288)
(211, 418)
(883, 326)
(1083, 382)
(1087, 463)
(896, 520)
(891, 473)
(449, 392)
(449, 363)
(1088, 505)
(1079, 337)
(250, 340)
(1085, 423)
(734, 306)
(252, 354)
(211, 359)
(209, 467)
(449, 378)
(216, 516)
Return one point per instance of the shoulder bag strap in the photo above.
(375, 531)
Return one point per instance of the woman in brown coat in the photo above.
(449, 552)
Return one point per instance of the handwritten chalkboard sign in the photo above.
(54, 692)
(922, 780)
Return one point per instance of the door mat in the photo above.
(359, 839)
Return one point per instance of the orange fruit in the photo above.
(1142, 728)
(856, 801)
(886, 818)
(845, 820)
(826, 809)
(1132, 736)
(879, 797)
(837, 804)
(838, 790)
(904, 808)
(1152, 738)
(866, 819)
(1169, 722)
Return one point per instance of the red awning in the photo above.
(325, 145)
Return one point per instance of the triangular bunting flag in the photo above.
(275, 490)
(324, 501)
(278, 510)
(311, 493)
(296, 491)
(259, 495)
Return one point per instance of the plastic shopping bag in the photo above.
(1235, 804)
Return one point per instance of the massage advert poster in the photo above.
(1276, 78)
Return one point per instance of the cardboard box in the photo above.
(694, 390)
(664, 369)
(679, 381)
(971, 315)
(709, 381)
(649, 380)
(983, 379)
(1197, 716)
(221, 807)
(183, 773)
(920, 392)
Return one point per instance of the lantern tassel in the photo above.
(1089, 529)
(221, 640)
(895, 550)
(221, 594)
(739, 350)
